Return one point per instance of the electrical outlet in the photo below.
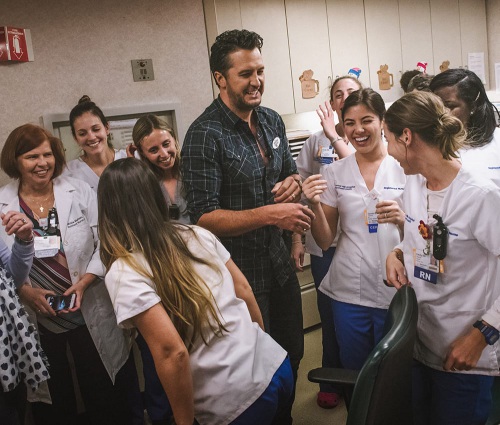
(142, 69)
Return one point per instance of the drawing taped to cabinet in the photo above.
(310, 87)
(385, 79)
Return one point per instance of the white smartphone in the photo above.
(61, 302)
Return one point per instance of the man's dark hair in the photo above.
(227, 43)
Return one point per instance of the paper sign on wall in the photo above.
(15, 44)
(475, 64)
(497, 76)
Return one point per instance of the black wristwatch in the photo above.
(491, 334)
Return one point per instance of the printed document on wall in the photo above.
(476, 65)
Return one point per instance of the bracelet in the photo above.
(23, 242)
(399, 255)
(336, 140)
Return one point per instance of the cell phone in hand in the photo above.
(61, 302)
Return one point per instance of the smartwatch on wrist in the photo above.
(491, 334)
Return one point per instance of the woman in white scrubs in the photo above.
(179, 287)
(363, 189)
(462, 91)
(450, 255)
(90, 129)
(319, 151)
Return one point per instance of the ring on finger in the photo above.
(23, 220)
(292, 196)
(385, 215)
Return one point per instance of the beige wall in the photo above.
(492, 21)
(85, 47)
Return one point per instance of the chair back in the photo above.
(382, 394)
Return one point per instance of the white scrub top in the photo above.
(465, 292)
(232, 371)
(485, 161)
(307, 166)
(79, 169)
(355, 275)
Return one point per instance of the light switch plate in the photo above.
(142, 69)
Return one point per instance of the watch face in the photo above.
(493, 338)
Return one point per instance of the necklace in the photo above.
(40, 203)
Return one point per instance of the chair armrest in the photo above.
(328, 375)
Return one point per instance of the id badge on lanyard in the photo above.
(427, 266)
(48, 245)
(371, 200)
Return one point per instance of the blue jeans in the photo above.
(331, 354)
(359, 329)
(274, 399)
(445, 398)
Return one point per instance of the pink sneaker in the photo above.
(328, 400)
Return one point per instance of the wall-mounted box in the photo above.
(15, 45)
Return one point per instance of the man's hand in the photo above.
(294, 217)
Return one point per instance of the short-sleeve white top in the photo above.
(307, 166)
(355, 273)
(232, 371)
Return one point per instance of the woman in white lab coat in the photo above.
(320, 151)
(65, 209)
(450, 255)
(363, 189)
(462, 91)
(90, 129)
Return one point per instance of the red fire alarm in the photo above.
(15, 45)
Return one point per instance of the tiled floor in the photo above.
(305, 409)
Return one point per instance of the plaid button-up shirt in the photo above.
(222, 168)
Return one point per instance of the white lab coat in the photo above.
(465, 292)
(355, 275)
(76, 205)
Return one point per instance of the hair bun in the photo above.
(84, 99)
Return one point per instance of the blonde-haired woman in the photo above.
(179, 287)
(450, 255)
(157, 145)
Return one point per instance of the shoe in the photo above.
(328, 400)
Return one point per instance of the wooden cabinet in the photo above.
(346, 28)
(308, 41)
(332, 36)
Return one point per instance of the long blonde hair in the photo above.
(133, 218)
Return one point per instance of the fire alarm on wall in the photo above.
(142, 69)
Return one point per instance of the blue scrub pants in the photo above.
(446, 398)
(273, 400)
(331, 353)
(358, 329)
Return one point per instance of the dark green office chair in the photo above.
(382, 388)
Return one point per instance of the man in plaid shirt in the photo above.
(242, 184)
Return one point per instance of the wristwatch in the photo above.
(490, 333)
